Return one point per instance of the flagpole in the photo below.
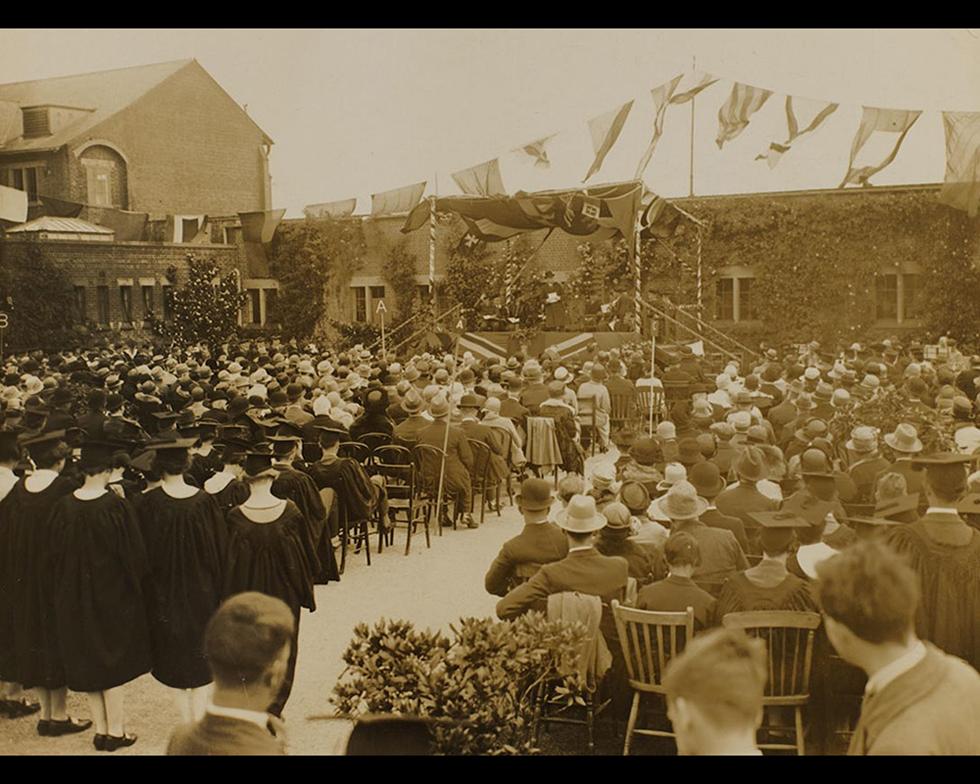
(690, 184)
(653, 368)
(449, 416)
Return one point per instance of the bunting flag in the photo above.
(537, 150)
(482, 346)
(821, 111)
(733, 117)
(260, 226)
(203, 236)
(661, 100)
(13, 204)
(61, 208)
(481, 180)
(397, 201)
(702, 81)
(128, 226)
(887, 121)
(605, 130)
(961, 186)
(331, 209)
(659, 218)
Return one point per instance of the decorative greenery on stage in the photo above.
(37, 297)
(204, 308)
(481, 679)
(314, 261)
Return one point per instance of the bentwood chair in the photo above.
(373, 440)
(789, 639)
(394, 463)
(428, 462)
(356, 450)
(482, 480)
(649, 641)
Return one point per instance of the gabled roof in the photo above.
(105, 92)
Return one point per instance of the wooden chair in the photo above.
(621, 410)
(357, 450)
(587, 421)
(361, 537)
(481, 479)
(646, 396)
(789, 638)
(428, 462)
(374, 440)
(674, 391)
(395, 464)
(649, 641)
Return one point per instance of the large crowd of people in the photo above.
(141, 490)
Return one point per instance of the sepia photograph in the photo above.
(468, 392)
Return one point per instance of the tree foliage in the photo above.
(314, 261)
(205, 307)
(37, 297)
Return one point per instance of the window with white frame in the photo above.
(898, 295)
(23, 178)
(734, 295)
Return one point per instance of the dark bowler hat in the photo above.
(706, 479)
(535, 495)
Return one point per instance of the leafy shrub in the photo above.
(37, 296)
(482, 679)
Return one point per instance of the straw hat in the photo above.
(673, 473)
(904, 439)
(580, 516)
(863, 439)
(604, 479)
(682, 502)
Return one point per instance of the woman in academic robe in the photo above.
(267, 552)
(27, 601)
(100, 567)
(186, 543)
(226, 485)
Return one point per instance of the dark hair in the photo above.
(329, 437)
(9, 450)
(812, 533)
(682, 549)
(96, 400)
(120, 459)
(51, 457)
(95, 468)
(871, 590)
(170, 463)
(245, 636)
(724, 673)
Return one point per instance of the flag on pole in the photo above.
(331, 209)
(398, 200)
(260, 226)
(537, 150)
(887, 121)
(481, 180)
(733, 117)
(701, 81)
(961, 186)
(821, 110)
(605, 130)
(13, 204)
(661, 100)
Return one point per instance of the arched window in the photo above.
(105, 177)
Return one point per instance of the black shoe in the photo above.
(43, 727)
(99, 742)
(111, 742)
(68, 726)
(16, 709)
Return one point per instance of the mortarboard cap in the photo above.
(172, 445)
(289, 429)
(41, 444)
(811, 509)
(258, 463)
(945, 471)
(777, 528)
(969, 504)
(874, 520)
(897, 506)
(143, 462)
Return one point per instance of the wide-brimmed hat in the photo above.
(904, 439)
(751, 464)
(673, 473)
(682, 502)
(863, 439)
(580, 516)
(645, 451)
(815, 428)
(535, 495)
(706, 478)
(635, 496)
(603, 478)
(439, 406)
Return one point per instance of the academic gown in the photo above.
(739, 594)
(100, 568)
(29, 652)
(300, 488)
(186, 544)
(355, 494)
(203, 467)
(228, 494)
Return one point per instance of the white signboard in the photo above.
(13, 204)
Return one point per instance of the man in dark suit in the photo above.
(535, 390)
(691, 365)
(678, 591)
(469, 405)
(511, 407)
(540, 542)
(247, 643)
(459, 459)
(408, 429)
(584, 570)
(744, 498)
(707, 480)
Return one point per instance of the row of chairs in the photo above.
(650, 640)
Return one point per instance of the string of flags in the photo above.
(804, 116)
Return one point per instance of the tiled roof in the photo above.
(106, 92)
(51, 224)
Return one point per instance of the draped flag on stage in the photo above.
(61, 208)
(128, 226)
(599, 212)
(331, 209)
(13, 204)
(961, 187)
(605, 130)
(260, 226)
(661, 100)
(733, 117)
(398, 200)
(538, 151)
(820, 111)
(481, 180)
(482, 346)
(886, 120)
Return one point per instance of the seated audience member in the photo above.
(408, 429)
(458, 460)
(667, 440)
(640, 465)
(769, 585)
(570, 485)
(678, 591)
(918, 699)
(247, 643)
(714, 694)
(636, 499)
(708, 482)
(605, 488)
(744, 499)
(866, 461)
(646, 562)
(540, 542)
(812, 550)
(503, 425)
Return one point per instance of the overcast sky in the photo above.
(354, 112)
